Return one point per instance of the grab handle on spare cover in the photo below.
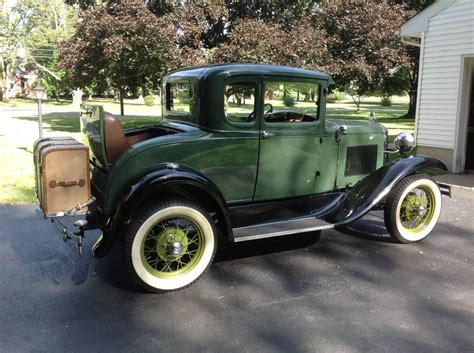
(53, 183)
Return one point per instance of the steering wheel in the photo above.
(270, 110)
(251, 116)
(304, 114)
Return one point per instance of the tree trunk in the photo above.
(411, 105)
(356, 99)
(413, 93)
(5, 69)
(2, 87)
(121, 103)
(413, 89)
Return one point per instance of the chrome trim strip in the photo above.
(277, 234)
(320, 226)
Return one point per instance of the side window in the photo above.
(178, 97)
(291, 102)
(239, 102)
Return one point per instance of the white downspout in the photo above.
(418, 88)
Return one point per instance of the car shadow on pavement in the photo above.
(266, 246)
(371, 227)
(112, 270)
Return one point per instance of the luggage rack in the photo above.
(81, 223)
(77, 210)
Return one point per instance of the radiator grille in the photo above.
(361, 160)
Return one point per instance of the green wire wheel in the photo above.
(169, 246)
(412, 208)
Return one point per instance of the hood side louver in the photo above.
(361, 160)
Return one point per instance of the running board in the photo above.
(276, 229)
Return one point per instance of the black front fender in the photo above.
(169, 177)
(372, 189)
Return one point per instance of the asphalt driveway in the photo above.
(346, 291)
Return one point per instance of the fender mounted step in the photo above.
(275, 229)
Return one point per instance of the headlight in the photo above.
(404, 142)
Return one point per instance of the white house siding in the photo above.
(450, 35)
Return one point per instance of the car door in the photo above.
(291, 138)
(229, 154)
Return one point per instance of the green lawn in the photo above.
(68, 122)
(17, 134)
(388, 116)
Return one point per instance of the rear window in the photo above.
(178, 97)
(180, 102)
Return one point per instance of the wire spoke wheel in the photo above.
(417, 209)
(172, 246)
(412, 208)
(169, 246)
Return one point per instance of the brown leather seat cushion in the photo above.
(116, 142)
(133, 139)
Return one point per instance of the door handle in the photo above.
(265, 134)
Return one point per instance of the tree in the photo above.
(362, 42)
(335, 36)
(408, 74)
(354, 41)
(10, 27)
(281, 12)
(200, 26)
(407, 79)
(123, 43)
(254, 40)
(30, 32)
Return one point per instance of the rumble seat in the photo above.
(116, 142)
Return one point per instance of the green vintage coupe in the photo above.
(243, 152)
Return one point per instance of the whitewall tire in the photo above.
(412, 208)
(169, 246)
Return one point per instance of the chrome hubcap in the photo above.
(417, 209)
(175, 249)
(172, 247)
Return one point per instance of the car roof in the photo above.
(231, 69)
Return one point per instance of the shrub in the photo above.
(149, 100)
(386, 101)
(289, 101)
(335, 96)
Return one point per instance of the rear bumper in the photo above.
(445, 189)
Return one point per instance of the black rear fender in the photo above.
(164, 183)
(372, 190)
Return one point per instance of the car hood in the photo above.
(358, 126)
